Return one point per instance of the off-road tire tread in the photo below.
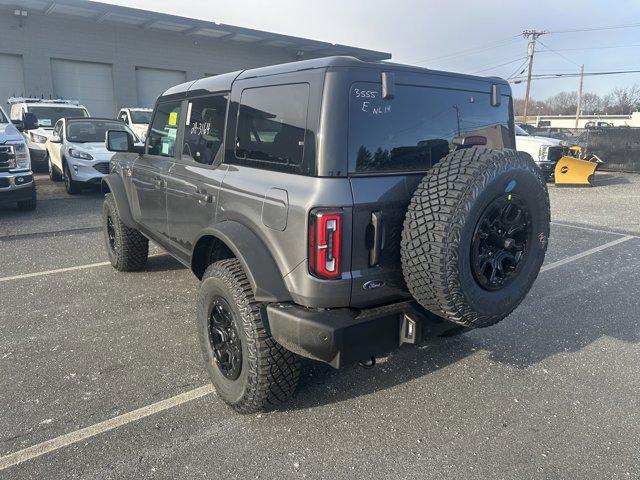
(134, 247)
(273, 370)
(434, 223)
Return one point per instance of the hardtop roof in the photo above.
(224, 81)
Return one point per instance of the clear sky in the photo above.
(428, 32)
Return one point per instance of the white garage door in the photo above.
(91, 83)
(11, 78)
(154, 81)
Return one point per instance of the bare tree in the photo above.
(591, 103)
(625, 99)
(563, 103)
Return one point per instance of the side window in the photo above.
(272, 124)
(57, 130)
(204, 129)
(124, 117)
(164, 129)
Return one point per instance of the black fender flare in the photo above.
(114, 184)
(260, 267)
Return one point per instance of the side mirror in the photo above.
(119, 141)
(30, 121)
(55, 139)
(19, 124)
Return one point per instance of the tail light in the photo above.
(325, 243)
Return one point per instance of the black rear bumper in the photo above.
(343, 335)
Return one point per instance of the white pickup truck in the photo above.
(46, 112)
(545, 151)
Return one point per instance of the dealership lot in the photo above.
(551, 392)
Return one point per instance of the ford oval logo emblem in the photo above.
(371, 284)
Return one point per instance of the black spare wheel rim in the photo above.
(501, 242)
(111, 234)
(224, 339)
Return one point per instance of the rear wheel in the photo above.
(475, 235)
(127, 248)
(249, 369)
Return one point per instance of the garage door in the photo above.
(154, 81)
(11, 78)
(91, 83)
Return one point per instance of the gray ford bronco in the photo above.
(334, 210)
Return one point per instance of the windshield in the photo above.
(93, 131)
(48, 116)
(138, 116)
(520, 132)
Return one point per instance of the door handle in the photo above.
(159, 183)
(203, 196)
(374, 253)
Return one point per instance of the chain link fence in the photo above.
(617, 147)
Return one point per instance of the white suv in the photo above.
(47, 113)
(137, 119)
(77, 153)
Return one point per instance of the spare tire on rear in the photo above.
(475, 235)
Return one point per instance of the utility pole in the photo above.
(531, 47)
(579, 95)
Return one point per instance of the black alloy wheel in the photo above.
(500, 242)
(224, 339)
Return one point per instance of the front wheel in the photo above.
(71, 186)
(54, 175)
(127, 248)
(248, 368)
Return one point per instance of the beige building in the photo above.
(569, 121)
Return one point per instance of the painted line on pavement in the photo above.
(62, 270)
(76, 436)
(586, 253)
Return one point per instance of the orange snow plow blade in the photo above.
(571, 171)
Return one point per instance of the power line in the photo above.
(558, 53)
(590, 48)
(594, 29)
(499, 65)
(470, 51)
(549, 76)
(518, 71)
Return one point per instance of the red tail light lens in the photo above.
(325, 243)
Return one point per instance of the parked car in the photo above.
(76, 151)
(16, 178)
(545, 151)
(334, 209)
(46, 113)
(137, 119)
(597, 124)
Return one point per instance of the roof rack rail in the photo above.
(14, 100)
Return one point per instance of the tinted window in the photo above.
(92, 131)
(124, 117)
(164, 129)
(48, 116)
(140, 116)
(3, 117)
(416, 128)
(204, 128)
(271, 126)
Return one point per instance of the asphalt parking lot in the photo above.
(102, 376)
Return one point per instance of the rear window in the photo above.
(415, 129)
(272, 124)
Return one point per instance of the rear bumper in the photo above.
(344, 335)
